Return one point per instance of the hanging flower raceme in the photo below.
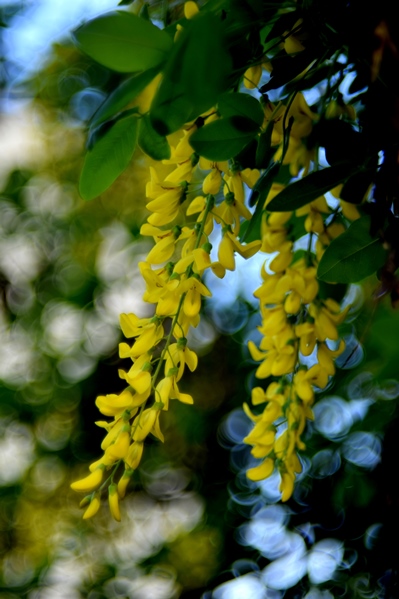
(296, 324)
(173, 273)
(197, 195)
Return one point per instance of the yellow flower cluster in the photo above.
(296, 324)
(173, 273)
(295, 321)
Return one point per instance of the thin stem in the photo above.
(110, 477)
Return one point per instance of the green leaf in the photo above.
(310, 188)
(96, 133)
(335, 291)
(296, 227)
(353, 255)
(286, 67)
(171, 107)
(284, 22)
(260, 192)
(144, 12)
(189, 86)
(123, 94)
(108, 158)
(298, 255)
(264, 151)
(356, 187)
(284, 175)
(152, 144)
(123, 42)
(223, 139)
(263, 184)
(232, 104)
(314, 76)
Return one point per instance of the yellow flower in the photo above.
(349, 210)
(252, 76)
(194, 289)
(166, 202)
(158, 285)
(114, 405)
(274, 321)
(165, 241)
(143, 424)
(296, 418)
(134, 455)
(230, 244)
(304, 380)
(114, 431)
(198, 257)
(263, 433)
(273, 395)
(287, 485)
(283, 259)
(212, 182)
(113, 500)
(314, 221)
(283, 445)
(182, 173)
(273, 237)
(196, 205)
(261, 451)
(337, 108)
(163, 391)
(293, 43)
(179, 29)
(303, 117)
(183, 325)
(268, 290)
(190, 9)
(299, 282)
(226, 253)
(264, 470)
(138, 377)
(307, 337)
(176, 394)
(119, 449)
(325, 323)
(230, 212)
(124, 481)
(162, 251)
(235, 181)
(156, 429)
(178, 356)
(325, 356)
(168, 301)
(182, 152)
(93, 508)
(298, 156)
(90, 482)
(104, 462)
(279, 357)
(293, 464)
(147, 331)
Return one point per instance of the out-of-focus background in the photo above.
(193, 525)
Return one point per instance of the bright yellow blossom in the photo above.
(190, 9)
(90, 482)
(113, 499)
(93, 508)
(124, 481)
